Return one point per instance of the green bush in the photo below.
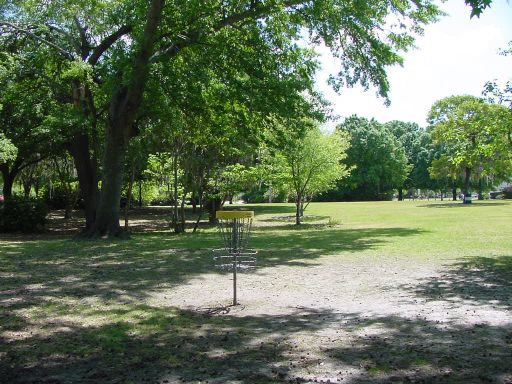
(19, 214)
(254, 196)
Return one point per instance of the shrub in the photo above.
(19, 214)
(254, 196)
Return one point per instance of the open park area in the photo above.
(412, 291)
(255, 191)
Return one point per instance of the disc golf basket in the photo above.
(235, 228)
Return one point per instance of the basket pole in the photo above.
(235, 254)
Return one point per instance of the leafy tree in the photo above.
(378, 158)
(8, 150)
(445, 174)
(24, 105)
(124, 42)
(313, 164)
(475, 135)
(418, 149)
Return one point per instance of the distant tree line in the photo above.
(466, 147)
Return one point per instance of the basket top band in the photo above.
(234, 214)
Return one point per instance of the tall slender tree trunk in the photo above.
(194, 203)
(467, 192)
(182, 212)
(212, 206)
(454, 194)
(400, 194)
(140, 193)
(480, 190)
(175, 193)
(200, 201)
(298, 206)
(129, 197)
(27, 187)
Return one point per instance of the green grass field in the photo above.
(362, 292)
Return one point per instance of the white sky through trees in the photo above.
(456, 56)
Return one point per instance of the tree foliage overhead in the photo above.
(478, 6)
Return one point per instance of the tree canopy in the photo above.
(474, 135)
(378, 157)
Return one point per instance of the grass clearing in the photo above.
(393, 291)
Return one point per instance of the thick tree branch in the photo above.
(127, 99)
(38, 38)
(256, 11)
(84, 47)
(107, 43)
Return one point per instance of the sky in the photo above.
(455, 56)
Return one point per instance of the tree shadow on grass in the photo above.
(397, 349)
(477, 281)
(147, 344)
(139, 343)
(71, 311)
(130, 270)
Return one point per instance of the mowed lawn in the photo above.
(413, 291)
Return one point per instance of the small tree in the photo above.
(314, 164)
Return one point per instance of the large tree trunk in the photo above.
(400, 194)
(86, 169)
(8, 178)
(212, 206)
(123, 109)
(107, 214)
